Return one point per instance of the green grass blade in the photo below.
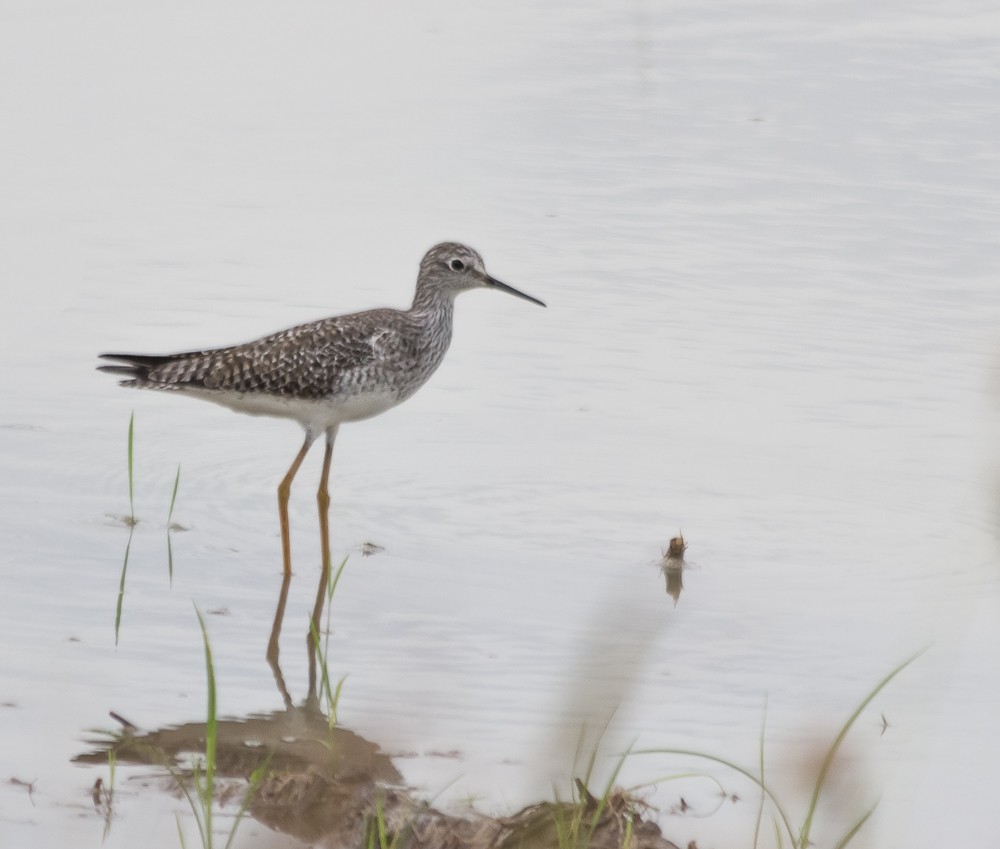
(170, 516)
(785, 821)
(564, 837)
(131, 523)
(336, 699)
(336, 578)
(211, 733)
(324, 681)
(195, 806)
(678, 776)
(256, 779)
(592, 758)
(383, 831)
(331, 588)
(627, 837)
(832, 751)
(760, 808)
(173, 495)
(330, 694)
(603, 801)
(847, 838)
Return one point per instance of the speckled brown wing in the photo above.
(309, 361)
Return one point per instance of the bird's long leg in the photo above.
(284, 490)
(323, 503)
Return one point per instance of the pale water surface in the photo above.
(767, 234)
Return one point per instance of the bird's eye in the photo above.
(457, 265)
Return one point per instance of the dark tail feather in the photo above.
(145, 360)
(131, 371)
(134, 366)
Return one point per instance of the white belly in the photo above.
(315, 416)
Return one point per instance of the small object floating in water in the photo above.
(672, 566)
(674, 555)
(122, 519)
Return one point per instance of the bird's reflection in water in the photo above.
(300, 773)
(319, 780)
(329, 787)
(322, 598)
(315, 773)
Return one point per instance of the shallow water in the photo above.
(767, 238)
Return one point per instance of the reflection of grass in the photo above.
(781, 819)
(204, 782)
(329, 694)
(104, 794)
(203, 772)
(131, 522)
(378, 833)
(121, 586)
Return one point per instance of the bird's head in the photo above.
(452, 268)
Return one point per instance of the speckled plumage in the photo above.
(320, 373)
(323, 363)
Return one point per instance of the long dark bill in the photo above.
(503, 287)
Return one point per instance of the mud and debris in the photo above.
(331, 788)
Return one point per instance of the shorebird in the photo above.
(328, 372)
(323, 374)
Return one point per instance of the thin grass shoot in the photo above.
(835, 746)
(170, 516)
(782, 822)
(331, 695)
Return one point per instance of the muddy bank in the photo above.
(332, 788)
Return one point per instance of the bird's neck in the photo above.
(433, 307)
(433, 311)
